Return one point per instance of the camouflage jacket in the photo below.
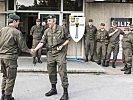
(11, 42)
(127, 41)
(37, 32)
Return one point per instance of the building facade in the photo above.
(2, 13)
(98, 10)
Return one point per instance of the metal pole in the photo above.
(76, 51)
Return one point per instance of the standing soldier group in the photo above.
(105, 42)
(56, 39)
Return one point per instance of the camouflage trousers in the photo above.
(101, 50)
(52, 62)
(90, 47)
(127, 57)
(112, 47)
(9, 70)
(34, 44)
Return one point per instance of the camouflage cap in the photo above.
(38, 20)
(102, 24)
(90, 20)
(51, 16)
(14, 17)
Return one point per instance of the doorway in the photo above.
(27, 20)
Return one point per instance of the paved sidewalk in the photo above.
(25, 65)
(33, 86)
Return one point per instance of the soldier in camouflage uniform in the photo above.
(102, 42)
(90, 33)
(113, 46)
(131, 28)
(11, 42)
(127, 46)
(56, 39)
(37, 32)
(64, 25)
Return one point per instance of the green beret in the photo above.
(51, 16)
(14, 17)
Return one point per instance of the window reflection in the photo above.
(73, 5)
(50, 5)
(10, 4)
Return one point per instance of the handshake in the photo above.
(32, 52)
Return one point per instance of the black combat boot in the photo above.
(53, 91)
(128, 71)
(39, 60)
(106, 63)
(113, 64)
(124, 69)
(92, 59)
(86, 60)
(99, 62)
(103, 63)
(34, 60)
(65, 95)
(8, 97)
(3, 95)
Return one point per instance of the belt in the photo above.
(101, 40)
(52, 48)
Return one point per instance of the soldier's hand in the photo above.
(116, 30)
(60, 47)
(32, 52)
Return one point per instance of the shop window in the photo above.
(48, 5)
(73, 5)
(110, 1)
(10, 4)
